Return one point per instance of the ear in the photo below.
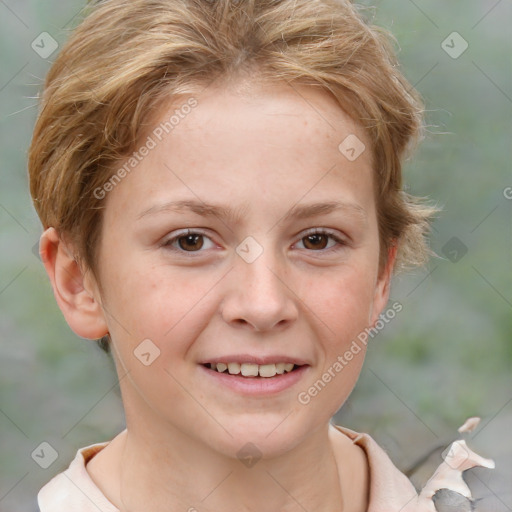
(383, 285)
(77, 295)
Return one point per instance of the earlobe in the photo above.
(383, 286)
(80, 306)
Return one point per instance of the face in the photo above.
(244, 236)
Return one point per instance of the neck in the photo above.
(174, 472)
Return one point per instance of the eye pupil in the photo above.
(193, 239)
(315, 238)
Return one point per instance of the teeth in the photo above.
(249, 369)
(268, 370)
(234, 368)
(253, 370)
(221, 367)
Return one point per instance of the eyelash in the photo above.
(315, 231)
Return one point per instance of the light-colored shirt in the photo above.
(74, 490)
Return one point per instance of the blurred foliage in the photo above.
(445, 357)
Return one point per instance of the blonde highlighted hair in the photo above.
(128, 57)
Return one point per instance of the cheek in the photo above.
(342, 301)
(167, 307)
(341, 309)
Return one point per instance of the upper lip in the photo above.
(251, 359)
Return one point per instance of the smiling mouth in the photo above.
(251, 370)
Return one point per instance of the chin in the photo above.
(266, 437)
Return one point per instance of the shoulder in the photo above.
(73, 490)
(388, 488)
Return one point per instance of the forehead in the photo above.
(270, 114)
(277, 141)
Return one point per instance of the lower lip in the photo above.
(256, 385)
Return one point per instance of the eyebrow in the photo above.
(315, 209)
(197, 207)
(235, 215)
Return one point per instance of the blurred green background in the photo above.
(445, 357)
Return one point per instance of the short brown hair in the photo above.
(127, 57)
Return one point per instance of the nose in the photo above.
(259, 296)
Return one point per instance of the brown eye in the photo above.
(191, 242)
(316, 241)
(320, 240)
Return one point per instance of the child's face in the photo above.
(258, 156)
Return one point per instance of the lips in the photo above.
(253, 385)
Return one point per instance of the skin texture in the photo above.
(260, 151)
